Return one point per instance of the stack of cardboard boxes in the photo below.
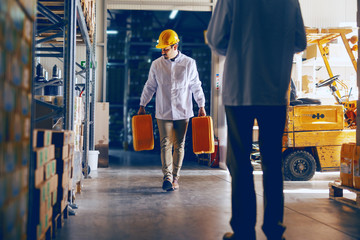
(46, 180)
(53, 151)
(78, 126)
(16, 21)
(350, 165)
(88, 7)
(64, 155)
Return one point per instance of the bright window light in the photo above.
(173, 14)
(112, 31)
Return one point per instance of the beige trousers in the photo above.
(172, 135)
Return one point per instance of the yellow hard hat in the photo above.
(167, 38)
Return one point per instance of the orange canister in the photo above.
(203, 135)
(142, 131)
(346, 164)
(356, 168)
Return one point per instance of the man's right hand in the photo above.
(141, 110)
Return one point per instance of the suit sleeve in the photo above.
(300, 34)
(218, 32)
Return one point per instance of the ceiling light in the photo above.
(112, 31)
(173, 14)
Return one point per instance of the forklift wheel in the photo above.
(299, 166)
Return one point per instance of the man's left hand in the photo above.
(202, 112)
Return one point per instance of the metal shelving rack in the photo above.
(59, 32)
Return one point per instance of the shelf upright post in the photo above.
(87, 110)
(31, 226)
(69, 63)
(93, 93)
(126, 91)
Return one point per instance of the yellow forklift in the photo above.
(314, 133)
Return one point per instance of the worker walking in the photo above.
(175, 79)
(259, 39)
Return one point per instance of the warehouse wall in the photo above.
(333, 14)
(188, 5)
(328, 13)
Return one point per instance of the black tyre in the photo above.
(299, 166)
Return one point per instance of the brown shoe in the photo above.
(167, 185)
(176, 184)
(228, 236)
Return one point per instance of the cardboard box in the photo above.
(71, 137)
(51, 151)
(60, 138)
(26, 128)
(41, 138)
(71, 150)
(15, 183)
(62, 152)
(50, 169)
(25, 153)
(54, 197)
(39, 176)
(41, 156)
(15, 127)
(23, 204)
(2, 126)
(65, 180)
(102, 132)
(54, 182)
(44, 222)
(10, 214)
(62, 166)
(78, 110)
(3, 192)
(25, 103)
(9, 157)
(311, 51)
(2, 162)
(44, 192)
(63, 205)
(9, 97)
(24, 177)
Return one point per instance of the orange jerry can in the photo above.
(142, 132)
(356, 168)
(346, 164)
(203, 135)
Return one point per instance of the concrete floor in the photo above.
(126, 202)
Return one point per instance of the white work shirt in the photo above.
(259, 39)
(174, 83)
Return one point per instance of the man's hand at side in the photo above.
(202, 112)
(141, 110)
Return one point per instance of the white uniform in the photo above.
(254, 73)
(174, 83)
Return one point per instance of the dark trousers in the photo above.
(271, 122)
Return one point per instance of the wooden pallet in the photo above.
(48, 233)
(336, 193)
(58, 221)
